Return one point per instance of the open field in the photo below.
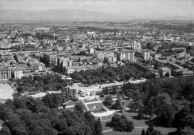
(6, 91)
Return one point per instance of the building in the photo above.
(146, 54)
(17, 73)
(34, 66)
(91, 50)
(5, 73)
(112, 59)
(64, 63)
(136, 45)
(72, 69)
(165, 72)
(127, 55)
(102, 54)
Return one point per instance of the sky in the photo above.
(160, 8)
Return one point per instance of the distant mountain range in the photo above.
(56, 15)
(72, 15)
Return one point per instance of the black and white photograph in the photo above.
(96, 67)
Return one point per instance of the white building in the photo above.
(127, 55)
(146, 54)
(18, 74)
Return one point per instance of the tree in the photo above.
(121, 123)
(186, 131)
(115, 119)
(167, 74)
(106, 61)
(151, 127)
(108, 100)
(167, 114)
(79, 107)
(152, 131)
(98, 127)
(150, 108)
(53, 100)
(143, 132)
(20, 102)
(5, 131)
(88, 130)
(118, 104)
(82, 53)
(91, 121)
(140, 113)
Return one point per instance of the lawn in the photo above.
(70, 108)
(140, 124)
(137, 131)
(88, 101)
(90, 106)
(70, 103)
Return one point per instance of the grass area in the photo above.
(141, 124)
(137, 131)
(102, 98)
(94, 104)
(88, 101)
(70, 103)
(70, 108)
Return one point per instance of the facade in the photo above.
(18, 74)
(165, 72)
(72, 69)
(5, 73)
(127, 55)
(65, 63)
(136, 45)
(35, 66)
(91, 50)
(53, 60)
(146, 54)
(101, 55)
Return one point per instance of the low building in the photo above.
(165, 72)
(5, 73)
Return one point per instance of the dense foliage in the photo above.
(28, 116)
(171, 100)
(40, 83)
(108, 101)
(121, 123)
(110, 74)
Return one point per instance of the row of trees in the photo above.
(109, 74)
(28, 116)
